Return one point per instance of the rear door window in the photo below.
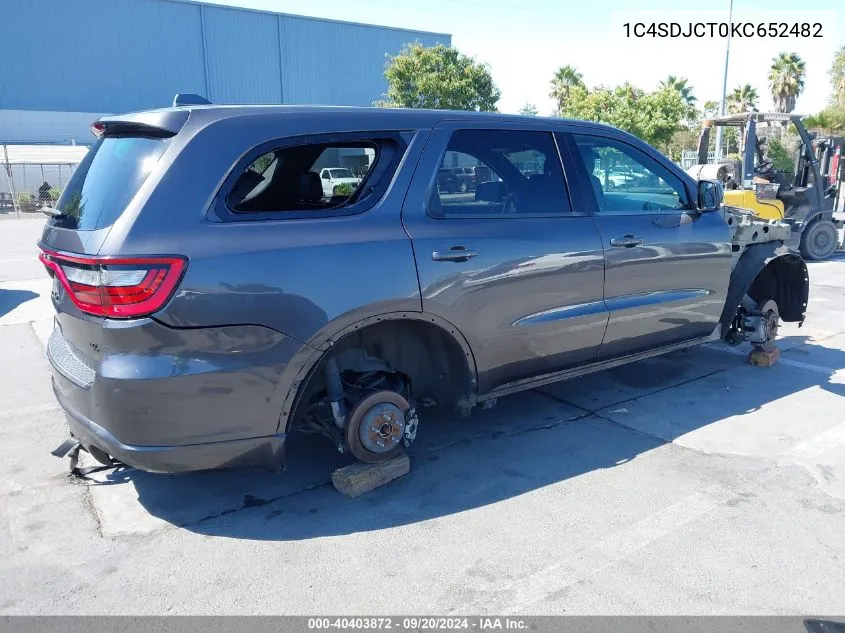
(106, 181)
(515, 173)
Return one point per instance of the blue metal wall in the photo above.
(123, 55)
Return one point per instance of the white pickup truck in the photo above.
(331, 177)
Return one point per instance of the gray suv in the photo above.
(211, 299)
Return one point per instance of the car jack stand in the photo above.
(761, 357)
(358, 478)
(70, 448)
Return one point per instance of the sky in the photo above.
(525, 42)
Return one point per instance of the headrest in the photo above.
(310, 187)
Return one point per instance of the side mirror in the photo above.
(489, 192)
(710, 195)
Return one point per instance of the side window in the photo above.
(626, 180)
(499, 174)
(317, 177)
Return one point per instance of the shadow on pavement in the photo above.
(527, 442)
(11, 299)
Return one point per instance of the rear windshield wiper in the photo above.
(50, 212)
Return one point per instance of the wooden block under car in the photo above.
(763, 357)
(358, 478)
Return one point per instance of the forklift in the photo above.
(830, 153)
(800, 199)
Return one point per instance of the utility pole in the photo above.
(724, 85)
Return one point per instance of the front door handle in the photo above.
(627, 241)
(454, 254)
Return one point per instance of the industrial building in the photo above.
(67, 62)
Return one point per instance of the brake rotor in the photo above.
(376, 426)
(770, 315)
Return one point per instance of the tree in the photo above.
(681, 84)
(837, 76)
(786, 80)
(564, 81)
(710, 109)
(653, 117)
(439, 77)
(683, 139)
(831, 120)
(743, 99)
(780, 156)
(529, 109)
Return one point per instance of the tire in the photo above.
(463, 186)
(819, 240)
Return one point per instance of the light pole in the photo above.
(724, 85)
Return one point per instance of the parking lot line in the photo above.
(741, 351)
(825, 441)
(537, 587)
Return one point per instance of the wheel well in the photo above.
(429, 356)
(785, 280)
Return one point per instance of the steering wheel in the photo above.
(763, 168)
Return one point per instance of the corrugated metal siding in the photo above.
(98, 55)
(243, 56)
(123, 55)
(348, 65)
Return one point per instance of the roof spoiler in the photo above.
(189, 98)
(162, 123)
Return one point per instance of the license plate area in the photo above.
(58, 290)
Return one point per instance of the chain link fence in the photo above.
(33, 176)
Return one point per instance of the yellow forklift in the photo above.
(801, 199)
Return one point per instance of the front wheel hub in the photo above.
(761, 325)
(376, 426)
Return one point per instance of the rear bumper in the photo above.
(259, 452)
(169, 400)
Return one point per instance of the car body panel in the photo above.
(671, 286)
(521, 301)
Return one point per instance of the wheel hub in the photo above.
(382, 427)
(762, 325)
(377, 426)
(821, 240)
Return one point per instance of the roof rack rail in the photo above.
(189, 98)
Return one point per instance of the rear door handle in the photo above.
(627, 241)
(454, 254)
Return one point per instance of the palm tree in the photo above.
(786, 80)
(743, 99)
(681, 85)
(565, 79)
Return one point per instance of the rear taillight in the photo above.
(116, 287)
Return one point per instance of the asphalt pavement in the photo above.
(688, 484)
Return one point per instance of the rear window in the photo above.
(106, 181)
(346, 174)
